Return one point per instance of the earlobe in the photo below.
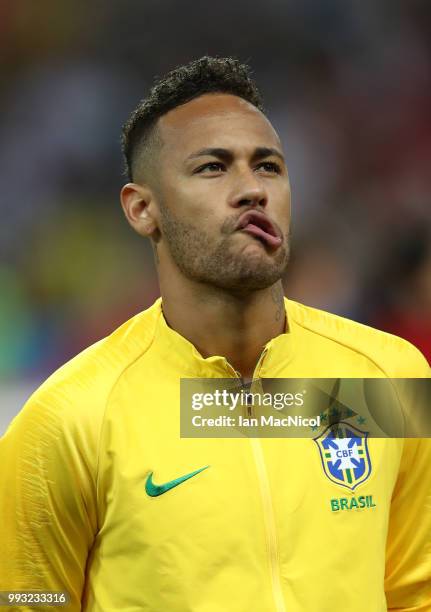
(137, 203)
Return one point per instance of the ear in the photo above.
(138, 206)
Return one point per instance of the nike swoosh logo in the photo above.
(154, 490)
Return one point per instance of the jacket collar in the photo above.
(182, 355)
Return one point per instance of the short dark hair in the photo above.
(201, 76)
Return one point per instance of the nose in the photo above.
(248, 191)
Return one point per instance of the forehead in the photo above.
(215, 120)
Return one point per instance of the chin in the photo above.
(257, 282)
(252, 269)
(251, 276)
(262, 267)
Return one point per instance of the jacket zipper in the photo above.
(270, 528)
(268, 512)
(269, 524)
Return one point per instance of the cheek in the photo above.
(196, 201)
(281, 204)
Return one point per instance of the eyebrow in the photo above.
(227, 155)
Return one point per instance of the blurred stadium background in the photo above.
(348, 86)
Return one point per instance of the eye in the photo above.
(209, 167)
(271, 167)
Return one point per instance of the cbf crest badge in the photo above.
(344, 454)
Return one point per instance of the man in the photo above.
(100, 495)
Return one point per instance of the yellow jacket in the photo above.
(262, 529)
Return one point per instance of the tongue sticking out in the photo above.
(254, 230)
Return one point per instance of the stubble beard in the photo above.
(223, 263)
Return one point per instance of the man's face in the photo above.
(224, 194)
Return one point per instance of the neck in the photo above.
(217, 322)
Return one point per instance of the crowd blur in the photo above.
(348, 87)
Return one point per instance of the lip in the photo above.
(260, 220)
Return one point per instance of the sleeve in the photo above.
(48, 511)
(408, 553)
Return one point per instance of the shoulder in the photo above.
(395, 356)
(76, 394)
